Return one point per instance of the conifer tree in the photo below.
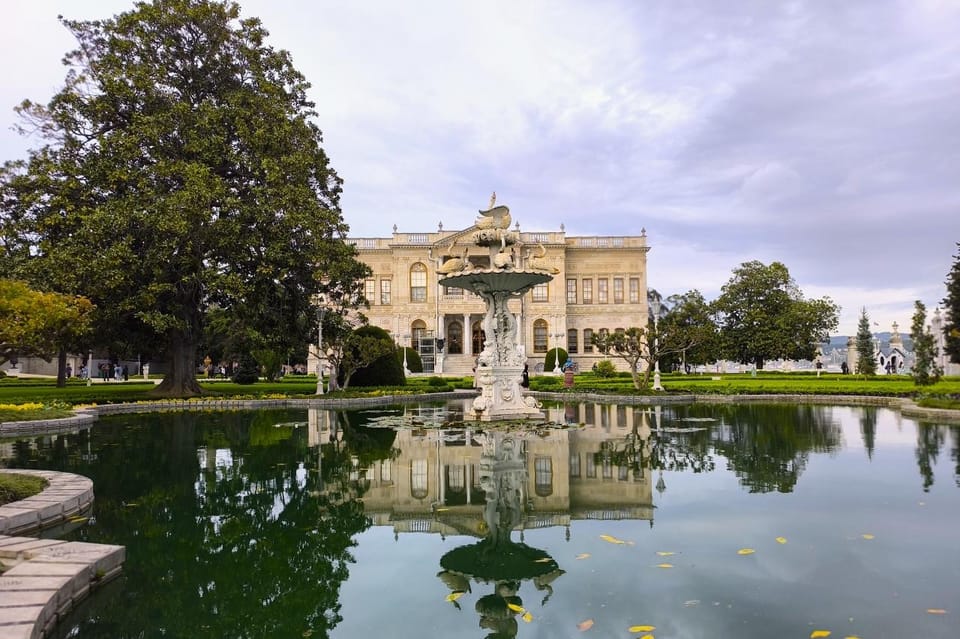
(925, 369)
(951, 303)
(866, 362)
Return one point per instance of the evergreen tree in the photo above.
(951, 302)
(925, 369)
(866, 362)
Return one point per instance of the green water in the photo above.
(284, 524)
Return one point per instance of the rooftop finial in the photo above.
(493, 200)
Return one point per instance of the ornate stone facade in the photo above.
(599, 283)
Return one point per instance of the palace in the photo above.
(599, 284)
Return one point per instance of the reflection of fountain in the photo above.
(496, 559)
(500, 364)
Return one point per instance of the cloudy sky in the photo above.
(825, 135)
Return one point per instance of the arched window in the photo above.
(588, 340)
(454, 338)
(418, 479)
(479, 336)
(417, 330)
(418, 282)
(571, 340)
(540, 336)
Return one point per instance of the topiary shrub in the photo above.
(248, 372)
(605, 368)
(436, 381)
(385, 371)
(554, 355)
(414, 363)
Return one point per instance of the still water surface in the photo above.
(703, 521)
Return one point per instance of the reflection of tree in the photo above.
(768, 446)
(497, 560)
(868, 428)
(676, 450)
(929, 440)
(224, 538)
(955, 453)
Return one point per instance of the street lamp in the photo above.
(655, 304)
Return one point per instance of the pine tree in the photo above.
(925, 369)
(866, 362)
(951, 302)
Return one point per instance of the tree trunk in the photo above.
(759, 363)
(181, 377)
(333, 384)
(62, 368)
(635, 376)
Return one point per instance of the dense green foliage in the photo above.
(925, 370)
(763, 315)
(249, 370)
(182, 173)
(385, 370)
(952, 305)
(866, 361)
(14, 487)
(688, 332)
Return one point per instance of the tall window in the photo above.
(571, 340)
(602, 290)
(618, 290)
(455, 338)
(634, 290)
(418, 478)
(418, 283)
(370, 290)
(588, 340)
(540, 293)
(384, 291)
(575, 465)
(477, 336)
(543, 476)
(588, 291)
(540, 336)
(417, 330)
(571, 291)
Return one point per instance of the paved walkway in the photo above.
(42, 579)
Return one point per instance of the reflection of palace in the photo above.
(433, 483)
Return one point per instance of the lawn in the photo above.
(14, 487)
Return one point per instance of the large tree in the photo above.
(951, 302)
(925, 369)
(691, 315)
(866, 358)
(763, 315)
(182, 171)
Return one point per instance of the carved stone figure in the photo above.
(539, 263)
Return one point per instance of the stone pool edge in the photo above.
(48, 577)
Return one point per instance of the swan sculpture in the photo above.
(538, 263)
(455, 264)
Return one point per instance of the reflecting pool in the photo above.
(756, 520)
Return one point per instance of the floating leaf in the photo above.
(543, 560)
(664, 565)
(781, 540)
(583, 555)
(612, 540)
(527, 617)
(819, 633)
(936, 611)
(647, 637)
(587, 624)
(746, 551)
(453, 596)
(514, 607)
(442, 510)
(691, 603)
(851, 637)
(867, 536)
(665, 553)
(641, 628)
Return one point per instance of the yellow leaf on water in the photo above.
(746, 551)
(641, 628)
(586, 624)
(453, 596)
(851, 637)
(514, 607)
(647, 637)
(442, 510)
(612, 540)
(819, 633)
(527, 617)
(936, 611)
(665, 553)
(583, 555)
(867, 536)
(664, 565)
(781, 540)
(543, 560)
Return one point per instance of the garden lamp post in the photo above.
(320, 348)
(655, 307)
